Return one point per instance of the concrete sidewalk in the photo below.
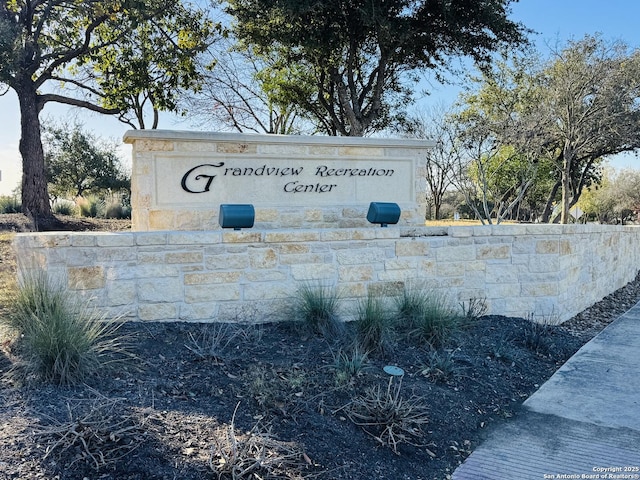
(584, 422)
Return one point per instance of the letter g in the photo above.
(209, 178)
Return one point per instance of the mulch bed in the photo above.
(163, 415)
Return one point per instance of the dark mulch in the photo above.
(172, 401)
(14, 222)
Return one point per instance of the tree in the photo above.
(574, 109)
(615, 199)
(628, 188)
(243, 93)
(148, 69)
(584, 105)
(592, 105)
(43, 42)
(493, 178)
(500, 141)
(361, 54)
(79, 162)
(435, 124)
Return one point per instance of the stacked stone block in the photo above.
(549, 271)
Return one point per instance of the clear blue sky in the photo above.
(554, 20)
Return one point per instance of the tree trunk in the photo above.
(35, 196)
(548, 208)
(567, 162)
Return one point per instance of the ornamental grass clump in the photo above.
(426, 315)
(411, 304)
(436, 322)
(317, 306)
(374, 324)
(389, 417)
(62, 339)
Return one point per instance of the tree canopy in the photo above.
(572, 110)
(244, 93)
(362, 53)
(79, 162)
(44, 47)
(148, 69)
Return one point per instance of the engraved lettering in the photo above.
(324, 171)
(263, 170)
(200, 176)
(297, 187)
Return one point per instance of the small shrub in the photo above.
(435, 321)
(251, 334)
(268, 390)
(440, 366)
(65, 207)
(90, 207)
(505, 351)
(211, 342)
(116, 210)
(349, 364)
(536, 336)
(374, 324)
(10, 204)
(63, 340)
(96, 432)
(317, 306)
(388, 417)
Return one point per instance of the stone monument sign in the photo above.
(179, 179)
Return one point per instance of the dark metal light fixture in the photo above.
(236, 216)
(383, 213)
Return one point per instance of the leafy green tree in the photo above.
(148, 69)
(615, 199)
(501, 145)
(582, 105)
(362, 54)
(592, 106)
(79, 162)
(47, 44)
(628, 186)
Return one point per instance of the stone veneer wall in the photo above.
(161, 158)
(251, 276)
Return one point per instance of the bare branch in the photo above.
(50, 97)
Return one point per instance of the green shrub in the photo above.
(374, 324)
(427, 315)
(91, 207)
(116, 210)
(349, 363)
(537, 335)
(62, 339)
(317, 306)
(10, 204)
(65, 207)
(436, 322)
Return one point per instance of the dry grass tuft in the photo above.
(388, 417)
(255, 455)
(97, 431)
